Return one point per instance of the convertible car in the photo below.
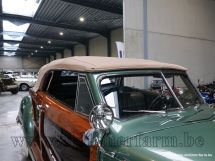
(104, 109)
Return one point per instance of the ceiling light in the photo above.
(81, 19)
(49, 42)
(41, 47)
(61, 33)
(36, 51)
(32, 54)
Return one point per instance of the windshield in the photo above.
(130, 95)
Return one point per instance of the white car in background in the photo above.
(25, 83)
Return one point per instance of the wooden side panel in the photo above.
(72, 122)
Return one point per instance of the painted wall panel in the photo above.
(98, 46)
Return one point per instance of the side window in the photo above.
(47, 81)
(84, 101)
(63, 86)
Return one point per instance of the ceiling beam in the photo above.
(25, 19)
(33, 49)
(17, 51)
(52, 38)
(24, 54)
(96, 5)
(36, 43)
(39, 49)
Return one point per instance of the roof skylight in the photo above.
(21, 7)
(9, 53)
(8, 46)
(15, 27)
(12, 37)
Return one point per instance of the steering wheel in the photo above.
(159, 99)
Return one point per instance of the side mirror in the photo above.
(101, 117)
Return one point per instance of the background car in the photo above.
(11, 73)
(157, 84)
(207, 93)
(25, 83)
(8, 84)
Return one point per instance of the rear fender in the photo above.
(25, 118)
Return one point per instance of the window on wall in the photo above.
(62, 85)
(84, 100)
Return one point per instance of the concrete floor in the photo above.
(12, 147)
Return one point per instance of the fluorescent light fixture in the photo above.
(21, 7)
(61, 33)
(10, 26)
(9, 53)
(12, 37)
(81, 19)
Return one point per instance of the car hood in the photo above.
(156, 122)
(192, 142)
(182, 134)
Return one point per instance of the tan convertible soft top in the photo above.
(98, 64)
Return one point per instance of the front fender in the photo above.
(25, 118)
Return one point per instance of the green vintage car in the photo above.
(105, 109)
(8, 84)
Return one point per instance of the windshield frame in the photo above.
(128, 73)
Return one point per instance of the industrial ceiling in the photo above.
(44, 27)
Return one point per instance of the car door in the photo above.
(62, 127)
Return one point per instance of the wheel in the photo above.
(15, 91)
(24, 87)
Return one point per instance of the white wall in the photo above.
(58, 55)
(19, 63)
(179, 31)
(7, 62)
(67, 53)
(183, 32)
(98, 46)
(116, 35)
(133, 28)
(79, 50)
(47, 60)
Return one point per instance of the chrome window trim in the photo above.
(172, 92)
(83, 76)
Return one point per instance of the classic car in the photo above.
(103, 108)
(157, 84)
(7, 84)
(207, 93)
(25, 82)
(211, 85)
